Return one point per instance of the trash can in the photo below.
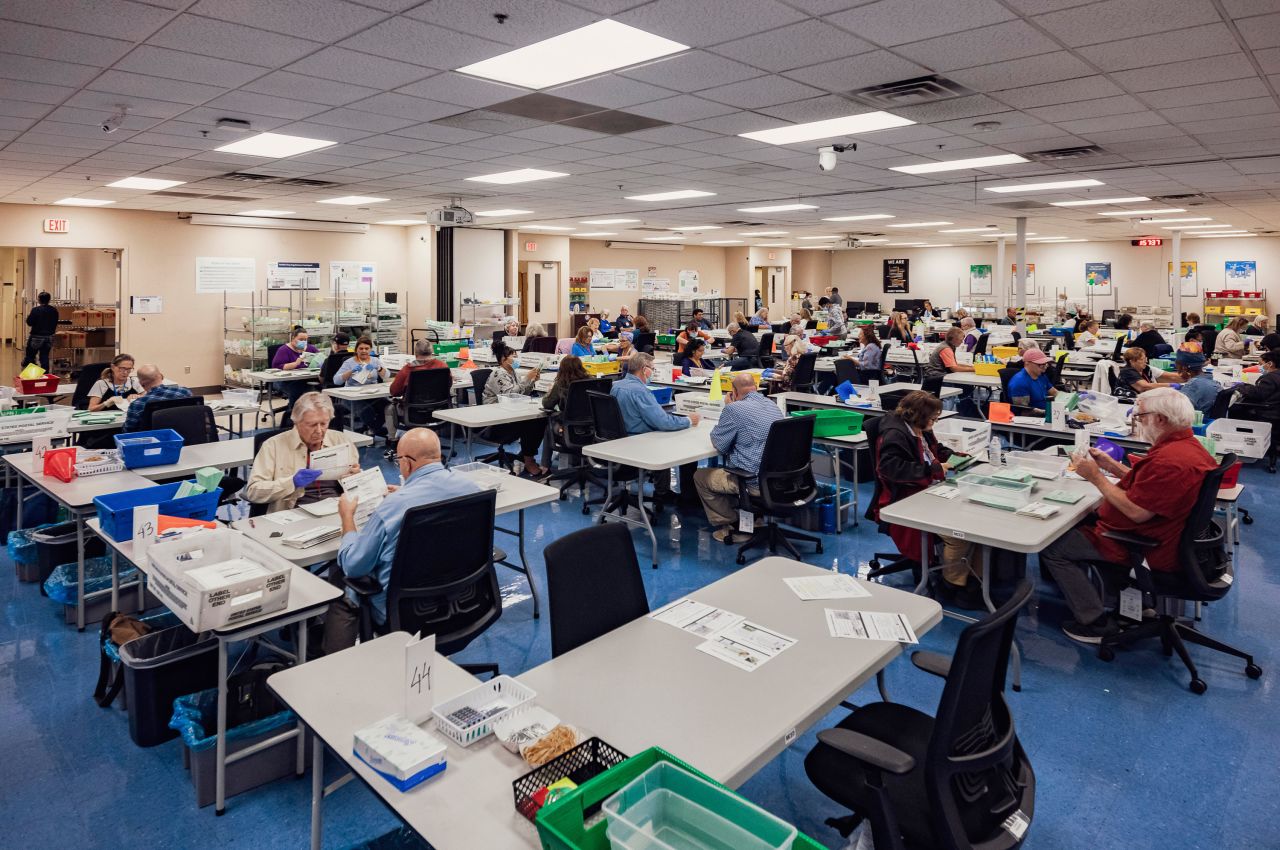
(159, 668)
(56, 544)
(60, 586)
(195, 718)
(22, 549)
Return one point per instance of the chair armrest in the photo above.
(932, 662)
(1128, 538)
(868, 750)
(364, 585)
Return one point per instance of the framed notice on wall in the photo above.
(1097, 278)
(293, 276)
(689, 281)
(1030, 287)
(979, 280)
(897, 280)
(624, 279)
(352, 276)
(226, 274)
(1189, 277)
(1242, 274)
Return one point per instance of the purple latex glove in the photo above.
(303, 477)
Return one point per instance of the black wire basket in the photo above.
(585, 761)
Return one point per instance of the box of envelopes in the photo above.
(215, 577)
(400, 752)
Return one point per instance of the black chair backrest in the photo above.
(193, 422)
(606, 416)
(1202, 544)
(786, 471)
(846, 370)
(272, 348)
(766, 344)
(1210, 339)
(1221, 404)
(448, 591)
(811, 325)
(262, 436)
(643, 341)
(146, 420)
(980, 347)
(975, 773)
(89, 375)
(1006, 375)
(331, 365)
(933, 386)
(540, 344)
(1120, 341)
(779, 328)
(1068, 340)
(805, 366)
(1017, 337)
(577, 418)
(593, 585)
(479, 377)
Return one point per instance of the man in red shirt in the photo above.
(423, 359)
(1153, 497)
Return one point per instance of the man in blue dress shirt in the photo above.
(153, 389)
(642, 414)
(739, 436)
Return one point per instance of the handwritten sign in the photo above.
(419, 656)
(145, 520)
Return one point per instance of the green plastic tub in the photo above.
(833, 423)
(449, 346)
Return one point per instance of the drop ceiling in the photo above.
(1179, 98)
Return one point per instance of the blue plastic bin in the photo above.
(149, 448)
(662, 395)
(115, 510)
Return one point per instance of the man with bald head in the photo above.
(739, 436)
(370, 550)
(153, 389)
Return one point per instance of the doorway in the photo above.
(775, 290)
(539, 293)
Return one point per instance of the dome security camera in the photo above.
(827, 155)
(115, 121)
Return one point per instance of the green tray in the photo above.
(449, 346)
(833, 423)
(561, 825)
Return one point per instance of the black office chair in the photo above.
(643, 341)
(147, 418)
(429, 390)
(577, 431)
(1007, 374)
(448, 591)
(786, 486)
(946, 781)
(1116, 353)
(193, 422)
(90, 374)
(258, 509)
(480, 377)
(933, 386)
(883, 563)
(980, 347)
(1205, 574)
(592, 596)
(802, 379)
(540, 344)
(847, 370)
(764, 354)
(606, 418)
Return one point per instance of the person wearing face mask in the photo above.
(372, 549)
(295, 355)
(281, 478)
(1153, 498)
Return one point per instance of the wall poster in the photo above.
(1242, 274)
(650, 285)
(1097, 278)
(293, 276)
(352, 276)
(979, 280)
(688, 282)
(628, 279)
(1190, 278)
(897, 277)
(226, 274)
(1030, 287)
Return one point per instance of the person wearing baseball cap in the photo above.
(1195, 384)
(1031, 387)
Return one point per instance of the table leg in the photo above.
(79, 572)
(301, 644)
(644, 517)
(220, 767)
(853, 485)
(317, 790)
(115, 581)
(524, 561)
(839, 525)
(924, 563)
(19, 517)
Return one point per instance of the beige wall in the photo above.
(87, 274)
(810, 271)
(159, 259)
(707, 260)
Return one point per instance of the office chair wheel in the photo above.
(586, 509)
(874, 564)
(1106, 653)
(742, 559)
(1247, 519)
(1253, 671)
(818, 551)
(1198, 686)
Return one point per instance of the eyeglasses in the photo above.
(398, 458)
(1136, 415)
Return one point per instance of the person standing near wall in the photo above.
(43, 321)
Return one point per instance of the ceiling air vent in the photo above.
(912, 92)
(1078, 152)
(1023, 205)
(246, 177)
(1189, 198)
(304, 183)
(177, 194)
(750, 170)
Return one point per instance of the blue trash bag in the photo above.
(22, 549)
(195, 717)
(37, 508)
(157, 622)
(61, 584)
(403, 838)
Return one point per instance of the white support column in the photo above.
(997, 278)
(1020, 254)
(1177, 279)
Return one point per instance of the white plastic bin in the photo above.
(1241, 436)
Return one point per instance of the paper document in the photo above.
(746, 645)
(333, 461)
(369, 488)
(324, 507)
(869, 625)
(834, 586)
(696, 617)
(314, 536)
(282, 517)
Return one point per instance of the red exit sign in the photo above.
(1146, 243)
(531, 246)
(57, 225)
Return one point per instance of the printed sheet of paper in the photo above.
(282, 517)
(696, 617)
(333, 461)
(369, 488)
(833, 586)
(746, 645)
(870, 625)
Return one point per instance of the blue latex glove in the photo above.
(1175, 386)
(303, 477)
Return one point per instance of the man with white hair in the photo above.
(1258, 327)
(1153, 498)
(282, 477)
(1151, 341)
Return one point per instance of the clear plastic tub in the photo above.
(996, 492)
(1040, 465)
(668, 808)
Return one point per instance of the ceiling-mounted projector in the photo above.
(451, 216)
(848, 244)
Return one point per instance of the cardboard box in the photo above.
(76, 339)
(217, 577)
(80, 318)
(66, 312)
(108, 319)
(100, 338)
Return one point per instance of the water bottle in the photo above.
(993, 452)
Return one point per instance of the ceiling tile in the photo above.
(25, 95)
(119, 19)
(1066, 91)
(1117, 19)
(528, 21)
(1228, 109)
(766, 91)
(811, 109)
(208, 37)
(361, 69)
(735, 123)
(1262, 31)
(613, 91)
(892, 22)
(415, 109)
(265, 104)
(313, 89)
(423, 44)
(950, 109)
(1010, 40)
(1029, 71)
(1087, 108)
(1177, 46)
(708, 22)
(867, 69)
(694, 69)
(356, 120)
(1208, 93)
(32, 69)
(1232, 66)
(451, 87)
(318, 20)
(556, 134)
(178, 91)
(174, 64)
(1269, 59)
(794, 46)
(1118, 121)
(681, 109)
(47, 43)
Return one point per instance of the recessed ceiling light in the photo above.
(274, 145)
(677, 195)
(404, 221)
(1028, 233)
(520, 175)
(1135, 199)
(906, 244)
(1042, 187)
(766, 233)
(1231, 233)
(267, 213)
(1199, 227)
(611, 221)
(148, 184)
(1133, 213)
(869, 241)
(353, 200)
(498, 213)
(778, 208)
(697, 227)
(600, 233)
(1175, 220)
(812, 248)
(866, 217)
(81, 202)
(921, 224)
(724, 242)
(960, 164)
(594, 49)
(544, 227)
(849, 125)
(663, 238)
(1049, 239)
(968, 230)
(819, 237)
(938, 245)
(773, 244)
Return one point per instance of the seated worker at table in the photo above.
(1087, 336)
(739, 436)
(908, 459)
(971, 333)
(690, 357)
(423, 358)
(760, 319)
(294, 355)
(596, 333)
(1266, 391)
(1230, 341)
(151, 379)
(870, 355)
(43, 321)
(606, 326)
(1258, 327)
(510, 327)
(625, 348)
(927, 310)
(692, 331)
(743, 348)
(1031, 387)
(1198, 387)
(1136, 375)
(570, 370)
(1270, 342)
(700, 319)
(280, 477)
(1024, 345)
(1150, 340)
(642, 414)
(624, 321)
(783, 380)
(503, 380)
(582, 346)
(1153, 498)
(796, 324)
(1010, 316)
(372, 549)
(942, 361)
(363, 370)
(898, 328)
(835, 320)
(117, 382)
(339, 350)
(532, 332)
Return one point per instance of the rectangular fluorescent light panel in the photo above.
(663, 238)
(870, 241)
(267, 213)
(544, 227)
(600, 233)
(611, 221)
(1240, 235)
(778, 208)
(766, 233)
(969, 230)
(1044, 187)
(819, 237)
(1175, 220)
(404, 221)
(1132, 213)
(849, 125)
(724, 242)
(773, 244)
(147, 184)
(678, 195)
(697, 227)
(594, 49)
(520, 175)
(906, 244)
(922, 224)
(81, 202)
(353, 200)
(960, 164)
(1199, 227)
(869, 217)
(498, 213)
(1136, 199)
(274, 145)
